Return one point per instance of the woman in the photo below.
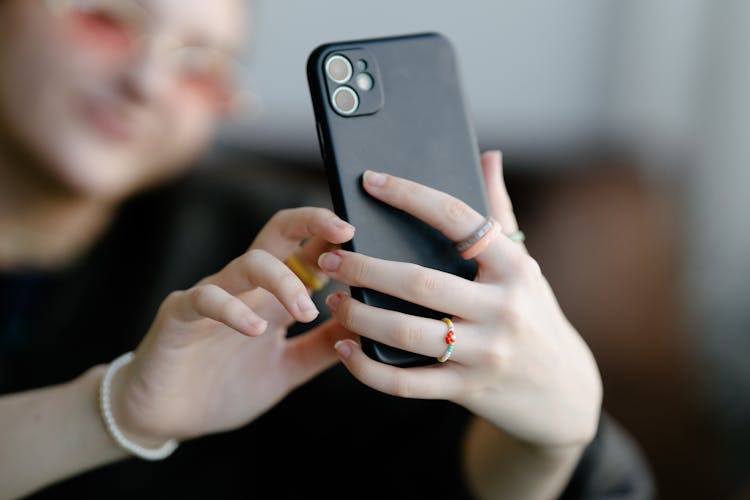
(103, 100)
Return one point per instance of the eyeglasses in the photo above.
(118, 29)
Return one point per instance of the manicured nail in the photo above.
(305, 304)
(333, 301)
(329, 262)
(374, 179)
(340, 224)
(343, 348)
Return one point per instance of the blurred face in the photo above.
(111, 96)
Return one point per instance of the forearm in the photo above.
(498, 466)
(49, 434)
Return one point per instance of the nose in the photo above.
(147, 75)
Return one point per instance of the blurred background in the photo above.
(625, 128)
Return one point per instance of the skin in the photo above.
(62, 174)
(54, 82)
(518, 365)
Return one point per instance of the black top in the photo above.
(333, 437)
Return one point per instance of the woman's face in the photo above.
(111, 96)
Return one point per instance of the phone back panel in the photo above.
(422, 132)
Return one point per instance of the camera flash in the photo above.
(364, 81)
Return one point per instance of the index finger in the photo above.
(287, 228)
(449, 215)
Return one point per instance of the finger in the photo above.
(268, 307)
(258, 268)
(308, 354)
(281, 235)
(312, 249)
(211, 301)
(497, 194)
(432, 382)
(430, 288)
(411, 333)
(449, 215)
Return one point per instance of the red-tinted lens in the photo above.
(101, 29)
(205, 72)
(215, 91)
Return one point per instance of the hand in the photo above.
(217, 355)
(518, 362)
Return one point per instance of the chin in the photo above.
(107, 176)
(94, 185)
(101, 175)
(85, 165)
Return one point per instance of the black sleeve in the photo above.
(612, 467)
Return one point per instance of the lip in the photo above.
(109, 121)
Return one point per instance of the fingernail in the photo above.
(329, 262)
(258, 325)
(375, 179)
(333, 301)
(498, 157)
(340, 224)
(305, 303)
(343, 348)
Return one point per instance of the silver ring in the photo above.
(476, 236)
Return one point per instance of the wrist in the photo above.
(83, 394)
(499, 465)
(120, 418)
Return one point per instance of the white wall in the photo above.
(534, 71)
(718, 238)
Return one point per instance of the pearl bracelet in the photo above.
(109, 420)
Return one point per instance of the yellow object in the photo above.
(312, 279)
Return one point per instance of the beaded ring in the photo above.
(450, 340)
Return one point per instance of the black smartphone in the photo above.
(395, 105)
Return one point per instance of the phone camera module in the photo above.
(352, 82)
(338, 68)
(345, 100)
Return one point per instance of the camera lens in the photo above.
(338, 68)
(345, 100)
